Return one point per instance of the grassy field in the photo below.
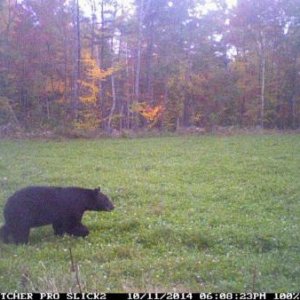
(192, 214)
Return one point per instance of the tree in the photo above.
(88, 115)
(161, 63)
(261, 25)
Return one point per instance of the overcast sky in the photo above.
(210, 5)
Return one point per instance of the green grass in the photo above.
(192, 214)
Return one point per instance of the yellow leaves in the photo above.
(88, 118)
(89, 88)
(198, 83)
(54, 86)
(246, 75)
(197, 118)
(92, 74)
(7, 115)
(151, 114)
(88, 110)
(89, 91)
(91, 68)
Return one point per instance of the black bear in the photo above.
(63, 207)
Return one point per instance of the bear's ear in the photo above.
(97, 190)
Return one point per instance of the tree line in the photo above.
(165, 64)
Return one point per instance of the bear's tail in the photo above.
(4, 233)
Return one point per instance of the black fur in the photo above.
(63, 207)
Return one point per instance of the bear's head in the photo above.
(100, 201)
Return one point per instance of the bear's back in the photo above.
(41, 205)
(37, 195)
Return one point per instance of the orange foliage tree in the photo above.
(151, 114)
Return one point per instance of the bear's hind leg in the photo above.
(4, 233)
(21, 235)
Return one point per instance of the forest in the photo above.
(211, 213)
(149, 64)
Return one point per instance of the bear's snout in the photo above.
(110, 207)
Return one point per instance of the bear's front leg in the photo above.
(58, 228)
(78, 230)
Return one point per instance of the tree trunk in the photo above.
(113, 82)
(78, 38)
(93, 9)
(262, 74)
(262, 91)
(77, 55)
(141, 15)
(114, 98)
(149, 73)
(127, 88)
(139, 52)
(101, 58)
